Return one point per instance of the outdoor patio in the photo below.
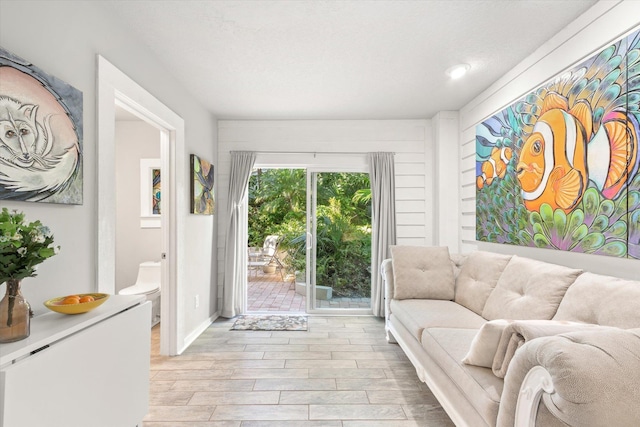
(270, 293)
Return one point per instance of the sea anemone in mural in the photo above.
(559, 168)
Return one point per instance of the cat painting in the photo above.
(40, 135)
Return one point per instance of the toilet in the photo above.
(148, 284)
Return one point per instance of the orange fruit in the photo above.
(87, 298)
(71, 299)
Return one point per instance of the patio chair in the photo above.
(267, 256)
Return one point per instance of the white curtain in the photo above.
(235, 255)
(383, 221)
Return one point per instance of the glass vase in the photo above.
(15, 314)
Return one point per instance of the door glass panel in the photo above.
(341, 254)
(276, 240)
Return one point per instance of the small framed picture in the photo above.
(202, 196)
(150, 193)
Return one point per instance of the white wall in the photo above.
(603, 23)
(134, 140)
(411, 140)
(64, 40)
(446, 193)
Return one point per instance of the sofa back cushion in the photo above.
(422, 272)
(478, 276)
(457, 261)
(603, 300)
(529, 289)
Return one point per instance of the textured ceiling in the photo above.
(340, 59)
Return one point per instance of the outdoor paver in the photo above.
(270, 293)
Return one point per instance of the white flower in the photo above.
(43, 229)
(22, 251)
(56, 250)
(39, 238)
(16, 236)
(4, 239)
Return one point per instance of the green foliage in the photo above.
(277, 203)
(22, 245)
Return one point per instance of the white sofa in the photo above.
(437, 305)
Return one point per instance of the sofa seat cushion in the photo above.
(447, 347)
(529, 290)
(418, 314)
(602, 300)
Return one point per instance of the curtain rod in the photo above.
(315, 152)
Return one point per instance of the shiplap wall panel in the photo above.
(410, 231)
(410, 218)
(414, 193)
(410, 140)
(596, 28)
(409, 181)
(468, 190)
(468, 149)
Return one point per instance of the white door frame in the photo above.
(116, 88)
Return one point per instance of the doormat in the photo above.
(270, 322)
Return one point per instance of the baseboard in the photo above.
(189, 339)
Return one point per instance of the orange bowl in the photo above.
(55, 304)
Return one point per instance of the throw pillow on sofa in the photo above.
(422, 272)
(485, 343)
(529, 289)
(478, 276)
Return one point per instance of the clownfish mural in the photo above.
(562, 153)
(559, 167)
(495, 166)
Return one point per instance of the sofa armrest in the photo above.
(386, 269)
(581, 378)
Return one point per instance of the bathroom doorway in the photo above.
(116, 89)
(138, 186)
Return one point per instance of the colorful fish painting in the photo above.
(559, 167)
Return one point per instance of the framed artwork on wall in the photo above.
(202, 195)
(150, 193)
(559, 167)
(40, 135)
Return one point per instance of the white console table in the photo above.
(89, 369)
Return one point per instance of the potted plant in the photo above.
(23, 245)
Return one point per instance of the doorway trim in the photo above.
(311, 162)
(116, 88)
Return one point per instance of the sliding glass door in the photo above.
(338, 242)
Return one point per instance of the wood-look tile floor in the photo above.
(339, 373)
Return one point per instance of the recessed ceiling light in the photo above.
(458, 71)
